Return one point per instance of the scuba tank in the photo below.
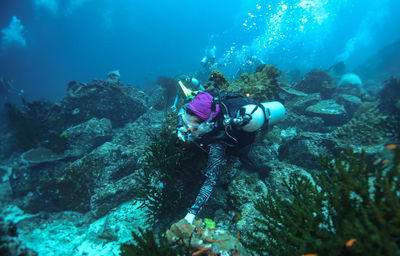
(253, 117)
(269, 113)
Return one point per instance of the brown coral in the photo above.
(262, 85)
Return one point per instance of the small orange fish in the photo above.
(310, 254)
(213, 228)
(237, 237)
(200, 230)
(223, 240)
(350, 242)
(200, 251)
(391, 146)
(186, 226)
(377, 161)
(385, 161)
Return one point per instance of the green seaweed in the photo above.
(146, 243)
(170, 178)
(348, 199)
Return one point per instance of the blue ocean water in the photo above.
(47, 43)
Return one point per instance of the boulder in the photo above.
(350, 102)
(117, 102)
(317, 81)
(331, 112)
(86, 184)
(305, 149)
(84, 137)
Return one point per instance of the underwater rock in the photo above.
(137, 133)
(156, 99)
(119, 103)
(83, 185)
(332, 113)
(305, 149)
(350, 84)
(114, 77)
(317, 81)
(40, 155)
(10, 244)
(304, 123)
(245, 188)
(368, 127)
(350, 102)
(84, 137)
(287, 93)
(300, 104)
(389, 96)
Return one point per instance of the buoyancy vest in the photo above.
(230, 104)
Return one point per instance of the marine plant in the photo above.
(350, 207)
(146, 243)
(170, 178)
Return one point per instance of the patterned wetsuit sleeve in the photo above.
(215, 158)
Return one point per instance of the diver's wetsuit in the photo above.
(218, 141)
(215, 158)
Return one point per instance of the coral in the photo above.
(185, 239)
(350, 207)
(350, 80)
(40, 155)
(209, 223)
(262, 85)
(204, 240)
(219, 81)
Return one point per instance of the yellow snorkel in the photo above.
(188, 93)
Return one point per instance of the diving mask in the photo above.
(189, 128)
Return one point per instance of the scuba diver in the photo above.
(184, 83)
(250, 65)
(219, 121)
(208, 63)
(7, 87)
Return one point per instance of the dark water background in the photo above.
(85, 39)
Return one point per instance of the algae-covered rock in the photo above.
(350, 102)
(368, 127)
(99, 181)
(300, 104)
(317, 81)
(245, 188)
(332, 113)
(117, 102)
(84, 137)
(305, 149)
